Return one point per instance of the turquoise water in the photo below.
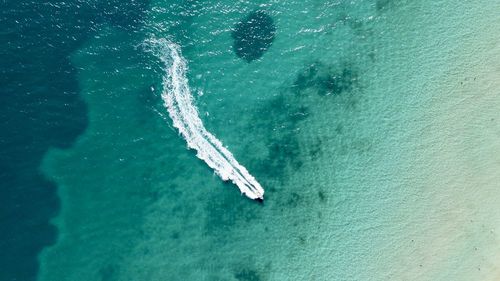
(40, 108)
(371, 125)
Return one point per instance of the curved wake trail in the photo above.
(178, 100)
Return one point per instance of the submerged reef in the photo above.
(326, 80)
(284, 115)
(383, 4)
(247, 274)
(253, 35)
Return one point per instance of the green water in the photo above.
(340, 120)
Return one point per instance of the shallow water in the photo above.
(371, 125)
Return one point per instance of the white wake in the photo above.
(178, 100)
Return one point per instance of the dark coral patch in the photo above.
(253, 36)
(325, 80)
(247, 274)
(284, 115)
(382, 4)
(225, 210)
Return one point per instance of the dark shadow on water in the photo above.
(253, 35)
(40, 108)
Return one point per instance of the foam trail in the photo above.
(178, 100)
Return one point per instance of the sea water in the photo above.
(372, 126)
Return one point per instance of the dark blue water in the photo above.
(40, 109)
